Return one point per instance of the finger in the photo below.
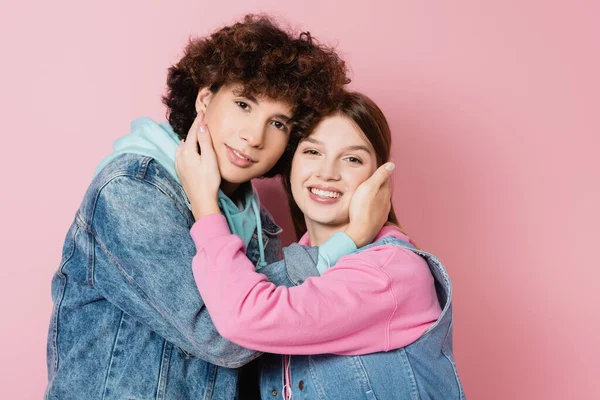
(382, 174)
(190, 141)
(205, 142)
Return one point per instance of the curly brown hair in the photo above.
(267, 62)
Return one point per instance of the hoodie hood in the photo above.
(147, 138)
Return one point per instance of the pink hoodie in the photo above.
(380, 299)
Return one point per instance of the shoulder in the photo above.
(392, 248)
(134, 166)
(131, 181)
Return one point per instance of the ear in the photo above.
(203, 99)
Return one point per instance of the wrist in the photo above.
(357, 237)
(203, 208)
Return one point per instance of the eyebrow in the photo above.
(348, 148)
(283, 117)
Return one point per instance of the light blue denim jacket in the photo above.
(422, 370)
(128, 321)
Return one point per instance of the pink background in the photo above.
(495, 111)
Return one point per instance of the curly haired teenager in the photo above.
(128, 321)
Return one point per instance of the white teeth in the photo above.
(325, 193)
(240, 156)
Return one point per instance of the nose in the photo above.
(328, 171)
(253, 134)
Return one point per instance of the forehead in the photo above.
(339, 132)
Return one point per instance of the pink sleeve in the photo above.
(346, 311)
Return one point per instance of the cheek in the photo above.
(301, 170)
(221, 124)
(276, 146)
(356, 177)
(298, 175)
(295, 180)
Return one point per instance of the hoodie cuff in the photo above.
(209, 227)
(331, 251)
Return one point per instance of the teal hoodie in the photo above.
(159, 141)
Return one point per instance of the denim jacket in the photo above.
(128, 321)
(425, 369)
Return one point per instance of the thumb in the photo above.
(382, 174)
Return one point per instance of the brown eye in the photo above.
(279, 125)
(244, 106)
(354, 160)
(311, 152)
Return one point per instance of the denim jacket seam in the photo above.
(416, 395)
(450, 360)
(210, 387)
(112, 355)
(141, 172)
(163, 375)
(91, 262)
(58, 304)
(317, 383)
(362, 371)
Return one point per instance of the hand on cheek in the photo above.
(199, 173)
(370, 206)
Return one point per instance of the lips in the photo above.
(239, 158)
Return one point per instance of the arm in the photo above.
(346, 311)
(142, 266)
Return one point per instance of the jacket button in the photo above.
(274, 392)
(301, 385)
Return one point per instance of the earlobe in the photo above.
(203, 99)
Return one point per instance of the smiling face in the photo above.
(327, 168)
(249, 134)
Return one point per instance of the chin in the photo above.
(236, 178)
(232, 174)
(323, 218)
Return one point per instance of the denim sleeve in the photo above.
(143, 265)
(298, 264)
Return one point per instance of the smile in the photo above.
(238, 158)
(237, 153)
(325, 193)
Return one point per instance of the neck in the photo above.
(229, 188)
(320, 233)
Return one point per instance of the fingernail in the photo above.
(390, 166)
(201, 128)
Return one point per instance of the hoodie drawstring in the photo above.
(261, 250)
